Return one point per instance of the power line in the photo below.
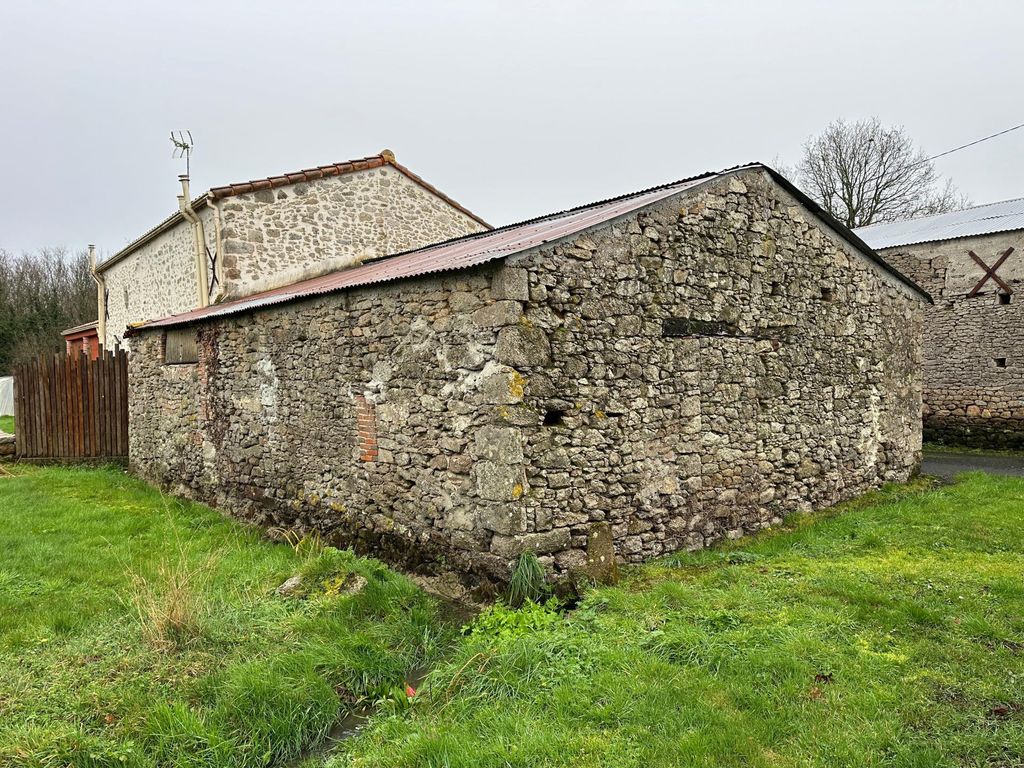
(950, 151)
(969, 144)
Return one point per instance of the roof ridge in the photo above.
(304, 174)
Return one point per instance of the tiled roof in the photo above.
(473, 250)
(987, 219)
(386, 157)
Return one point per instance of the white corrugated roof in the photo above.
(980, 220)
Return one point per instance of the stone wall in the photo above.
(691, 372)
(973, 358)
(156, 280)
(272, 235)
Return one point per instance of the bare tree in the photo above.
(864, 173)
(40, 295)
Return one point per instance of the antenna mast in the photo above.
(183, 145)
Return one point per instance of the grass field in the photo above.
(135, 632)
(889, 632)
(7, 424)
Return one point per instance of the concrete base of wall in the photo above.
(1001, 434)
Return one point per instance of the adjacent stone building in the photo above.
(684, 364)
(972, 262)
(240, 239)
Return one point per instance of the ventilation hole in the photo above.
(999, 361)
(553, 418)
(826, 294)
(776, 289)
(613, 414)
(1004, 298)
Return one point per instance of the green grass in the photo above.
(890, 633)
(7, 424)
(250, 679)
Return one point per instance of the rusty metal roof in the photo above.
(1003, 216)
(386, 157)
(473, 250)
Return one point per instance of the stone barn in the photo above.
(972, 262)
(685, 363)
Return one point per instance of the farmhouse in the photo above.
(243, 238)
(972, 262)
(682, 364)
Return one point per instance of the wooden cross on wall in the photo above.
(990, 272)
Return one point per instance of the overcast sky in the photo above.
(513, 108)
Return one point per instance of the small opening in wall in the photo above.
(553, 418)
(776, 288)
(826, 294)
(180, 346)
(1004, 298)
(999, 361)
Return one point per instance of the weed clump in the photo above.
(169, 605)
(528, 583)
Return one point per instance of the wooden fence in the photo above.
(68, 407)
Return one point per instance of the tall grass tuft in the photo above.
(169, 605)
(528, 581)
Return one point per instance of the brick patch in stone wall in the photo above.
(366, 424)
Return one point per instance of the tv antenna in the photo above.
(183, 144)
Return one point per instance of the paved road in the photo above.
(946, 464)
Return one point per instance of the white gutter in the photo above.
(101, 298)
(199, 236)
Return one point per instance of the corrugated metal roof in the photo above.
(980, 220)
(473, 250)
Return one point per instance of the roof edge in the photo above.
(150, 235)
(79, 328)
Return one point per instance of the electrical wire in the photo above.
(969, 144)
